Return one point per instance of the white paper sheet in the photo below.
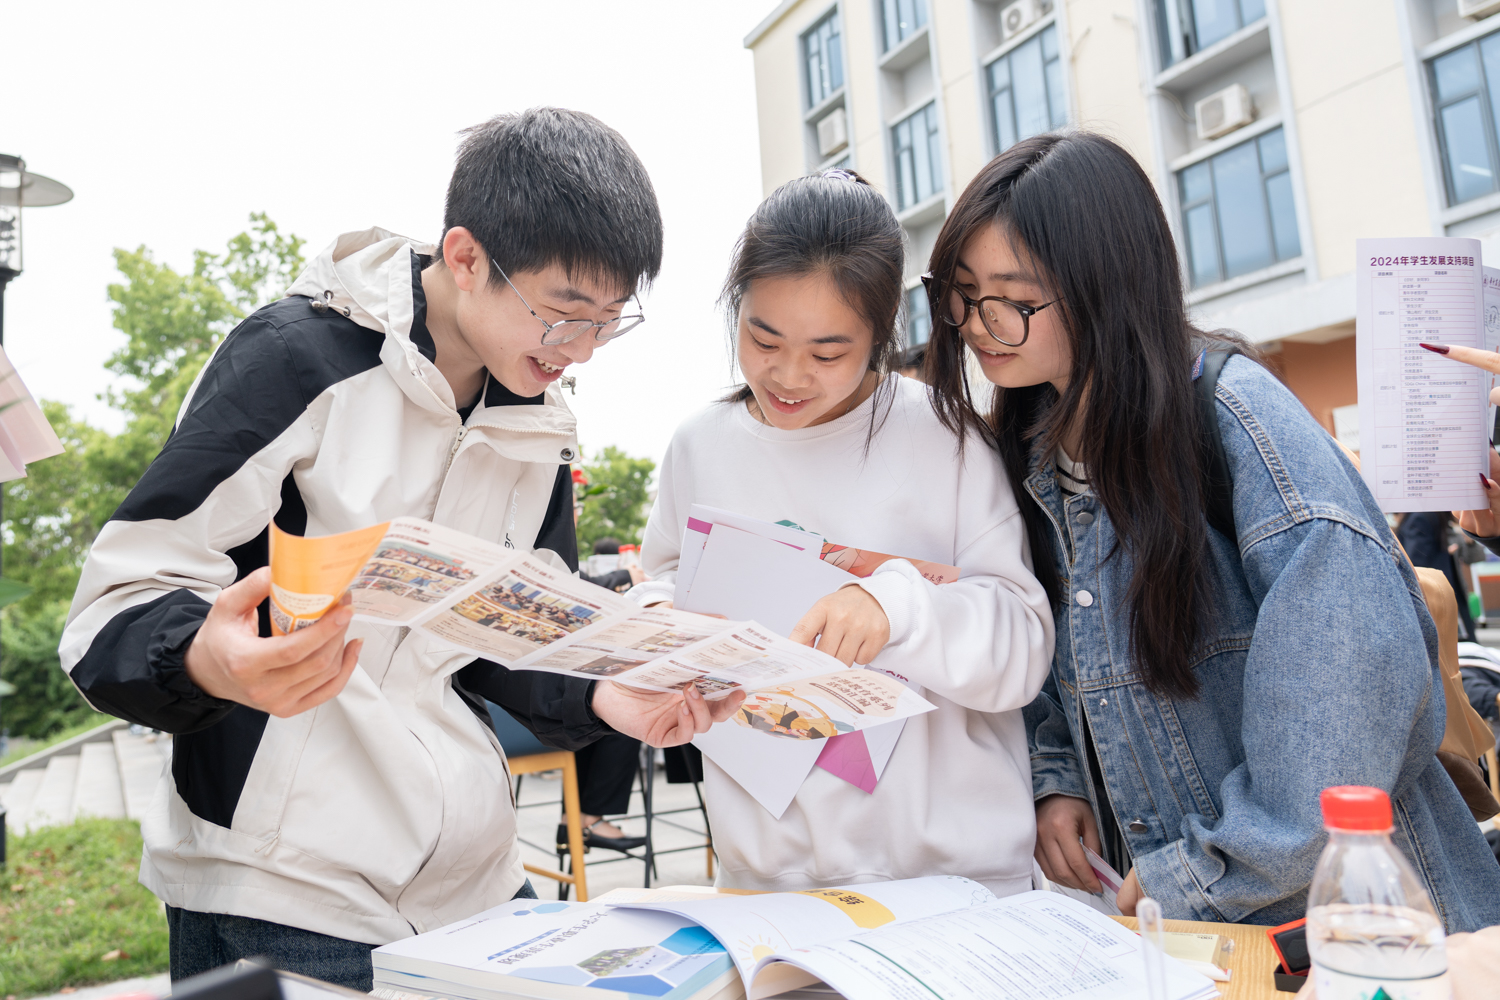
(25, 434)
(1008, 948)
(733, 573)
(731, 563)
(1491, 335)
(771, 771)
(700, 523)
(1422, 417)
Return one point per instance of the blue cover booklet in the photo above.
(561, 951)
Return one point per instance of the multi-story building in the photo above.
(1277, 132)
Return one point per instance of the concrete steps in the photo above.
(112, 774)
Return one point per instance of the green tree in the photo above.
(614, 503)
(172, 322)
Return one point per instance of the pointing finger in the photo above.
(1488, 360)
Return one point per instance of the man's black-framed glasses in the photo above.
(1006, 321)
(571, 329)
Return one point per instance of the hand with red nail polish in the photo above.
(1484, 523)
(1488, 360)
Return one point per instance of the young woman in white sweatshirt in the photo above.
(824, 435)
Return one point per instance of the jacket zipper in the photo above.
(458, 439)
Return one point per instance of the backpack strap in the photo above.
(1218, 486)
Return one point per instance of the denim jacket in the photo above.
(1321, 669)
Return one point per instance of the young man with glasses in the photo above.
(337, 789)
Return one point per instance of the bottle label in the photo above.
(1342, 986)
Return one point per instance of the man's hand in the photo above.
(283, 675)
(1060, 821)
(661, 718)
(1484, 523)
(852, 624)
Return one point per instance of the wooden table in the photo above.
(1250, 963)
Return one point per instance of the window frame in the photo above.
(810, 99)
(1170, 14)
(988, 93)
(933, 123)
(919, 8)
(1211, 201)
(1487, 118)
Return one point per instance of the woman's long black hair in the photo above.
(1080, 209)
(835, 224)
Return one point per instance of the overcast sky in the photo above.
(172, 122)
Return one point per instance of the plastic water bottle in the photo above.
(1371, 930)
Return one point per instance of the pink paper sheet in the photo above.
(847, 756)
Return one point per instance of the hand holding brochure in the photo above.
(515, 608)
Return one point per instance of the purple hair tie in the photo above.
(840, 174)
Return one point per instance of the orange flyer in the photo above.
(308, 575)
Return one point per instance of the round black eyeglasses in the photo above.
(1010, 326)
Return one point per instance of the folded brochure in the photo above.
(518, 610)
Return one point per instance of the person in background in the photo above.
(1206, 686)
(912, 360)
(604, 569)
(1424, 535)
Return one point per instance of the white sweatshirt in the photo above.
(955, 798)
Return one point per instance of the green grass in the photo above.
(68, 897)
(21, 746)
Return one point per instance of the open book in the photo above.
(519, 610)
(941, 936)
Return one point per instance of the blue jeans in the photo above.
(202, 942)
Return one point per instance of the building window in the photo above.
(919, 158)
(822, 48)
(902, 19)
(1026, 90)
(1189, 26)
(918, 317)
(1237, 211)
(1464, 84)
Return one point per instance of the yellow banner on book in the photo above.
(864, 911)
(309, 575)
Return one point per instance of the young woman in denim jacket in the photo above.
(1203, 693)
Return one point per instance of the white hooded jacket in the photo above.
(387, 810)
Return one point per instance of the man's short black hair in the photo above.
(607, 547)
(552, 186)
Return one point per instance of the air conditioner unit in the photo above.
(833, 132)
(1478, 8)
(1222, 112)
(1017, 17)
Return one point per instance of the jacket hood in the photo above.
(366, 277)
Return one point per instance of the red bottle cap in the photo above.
(1356, 808)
